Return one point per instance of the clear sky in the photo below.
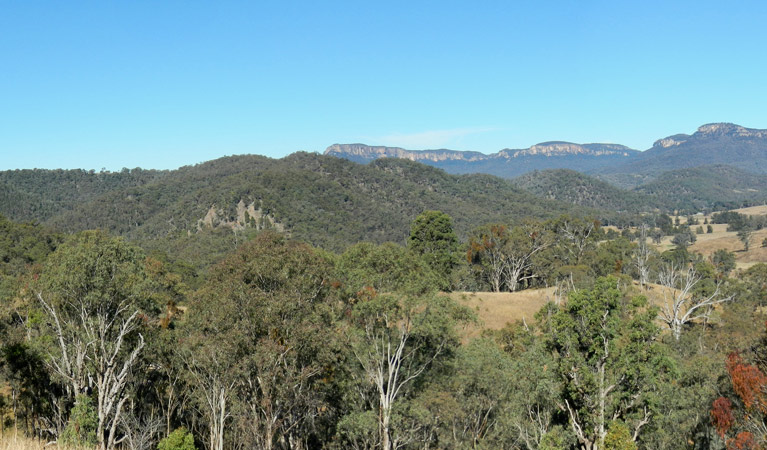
(161, 84)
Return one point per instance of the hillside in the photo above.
(326, 201)
(38, 195)
(706, 188)
(574, 187)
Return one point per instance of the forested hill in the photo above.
(38, 194)
(327, 201)
(580, 189)
(706, 187)
(703, 188)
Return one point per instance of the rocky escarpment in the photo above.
(245, 216)
(711, 144)
(711, 131)
(569, 149)
(365, 153)
(730, 129)
(371, 152)
(507, 163)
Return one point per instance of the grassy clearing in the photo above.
(12, 441)
(753, 210)
(496, 309)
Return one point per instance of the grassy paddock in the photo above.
(13, 441)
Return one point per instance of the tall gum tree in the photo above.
(608, 361)
(267, 316)
(396, 339)
(95, 293)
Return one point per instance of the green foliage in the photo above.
(399, 343)
(81, 427)
(102, 271)
(179, 439)
(612, 257)
(264, 325)
(432, 237)
(619, 437)
(707, 187)
(358, 430)
(684, 239)
(723, 261)
(744, 234)
(38, 194)
(557, 438)
(575, 187)
(384, 268)
(327, 201)
(608, 340)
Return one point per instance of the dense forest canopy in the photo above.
(284, 345)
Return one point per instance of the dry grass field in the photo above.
(707, 243)
(11, 441)
(496, 309)
(753, 210)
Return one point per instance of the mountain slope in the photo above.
(574, 187)
(327, 201)
(38, 195)
(711, 144)
(705, 188)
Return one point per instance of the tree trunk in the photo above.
(385, 437)
(602, 395)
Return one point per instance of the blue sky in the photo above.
(164, 84)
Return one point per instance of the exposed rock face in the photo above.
(711, 131)
(713, 143)
(369, 152)
(362, 152)
(670, 141)
(246, 216)
(569, 149)
(730, 129)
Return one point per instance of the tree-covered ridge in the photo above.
(327, 201)
(574, 187)
(711, 187)
(38, 195)
(704, 188)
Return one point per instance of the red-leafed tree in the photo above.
(743, 424)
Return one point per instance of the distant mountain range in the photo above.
(711, 144)
(507, 163)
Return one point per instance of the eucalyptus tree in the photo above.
(682, 302)
(396, 339)
(608, 361)
(506, 256)
(96, 297)
(263, 330)
(432, 237)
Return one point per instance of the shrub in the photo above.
(83, 421)
(179, 439)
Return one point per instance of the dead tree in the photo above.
(681, 304)
(92, 344)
